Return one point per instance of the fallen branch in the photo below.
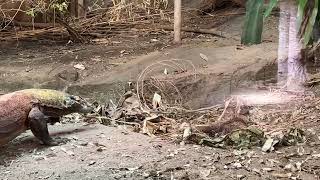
(73, 33)
(199, 31)
(36, 25)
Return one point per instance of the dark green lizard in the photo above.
(34, 109)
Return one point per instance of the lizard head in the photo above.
(78, 104)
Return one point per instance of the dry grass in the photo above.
(158, 77)
(132, 9)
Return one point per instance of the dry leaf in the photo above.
(267, 145)
(204, 57)
(148, 128)
(165, 71)
(156, 100)
(187, 133)
(67, 152)
(79, 66)
(279, 175)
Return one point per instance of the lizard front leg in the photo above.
(39, 127)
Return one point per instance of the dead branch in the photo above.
(199, 31)
(36, 25)
(73, 33)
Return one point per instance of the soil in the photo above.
(94, 151)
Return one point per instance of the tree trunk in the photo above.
(177, 21)
(296, 67)
(283, 43)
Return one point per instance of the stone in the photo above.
(69, 75)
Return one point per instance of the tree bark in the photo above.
(296, 67)
(177, 21)
(283, 43)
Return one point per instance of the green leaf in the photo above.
(253, 25)
(31, 12)
(311, 23)
(301, 8)
(61, 7)
(270, 7)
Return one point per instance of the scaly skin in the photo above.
(33, 109)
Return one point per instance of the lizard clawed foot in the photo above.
(53, 142)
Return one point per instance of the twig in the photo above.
(225, 109)
(200, 31)
(36, 25)
(16, 13)
(118, 121)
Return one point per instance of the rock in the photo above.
(69, 75)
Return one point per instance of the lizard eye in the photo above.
(75, 98)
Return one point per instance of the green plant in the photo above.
(41, 7)
(253, 23)
(308, 11)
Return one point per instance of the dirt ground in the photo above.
(94, 151)
(100, 152)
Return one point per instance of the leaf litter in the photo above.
(236, 124)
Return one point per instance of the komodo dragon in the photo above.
(33, 109)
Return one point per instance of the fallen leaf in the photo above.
(279, 175)
(79, 66)
(267, 145)
(96, 59)
(290, 167)
(67, 152)
(135, 168)
(256, 171)
(298, 165)
(91, 163)
(156, 101)
(316, 155)
(267, 169)
(241, 176)
(237, 165)
(204, 57)
(148, 128)
(165, 71)
(187, 133)
(146, 174)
